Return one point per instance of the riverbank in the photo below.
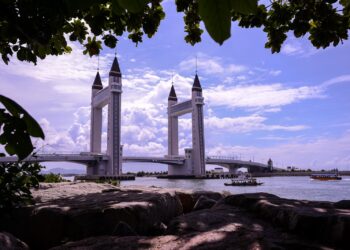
(101, 216)
(296, 173)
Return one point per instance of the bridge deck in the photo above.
(87, 158)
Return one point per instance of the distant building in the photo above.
(270, 165)
(217, 171)
(292, 169)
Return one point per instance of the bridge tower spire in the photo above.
(96, 122)
(173, 137)
(96, 117)
(198, 146)
(114, 148)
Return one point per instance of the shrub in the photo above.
(53, 178)
(109, 181)
(16, 180)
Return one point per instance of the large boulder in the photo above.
(123, 229)
(210, 194)
(189, 199)
(319, 221)
(204, 202)
(343, 204)
(215, 239)
(238, 229)
(10, 242)
(77, 211)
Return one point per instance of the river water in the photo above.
(287, 187)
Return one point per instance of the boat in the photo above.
(326, 176)
(244, 180)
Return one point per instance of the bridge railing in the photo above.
(223, 158)
(42, 152)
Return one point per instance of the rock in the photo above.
(343, 204)
(186, 200)
(158, 228)
(229, 227)
(109, 190)
(203, 202)
(136, 218)
(248, 200)
(189, 199)
(10, 242)
(201, 220)
(69, 212)
(211, 195)
(319, 221)
(206, 240)
(123, 229)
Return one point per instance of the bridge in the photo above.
(87, 159)
(233, 164)
(110, 163)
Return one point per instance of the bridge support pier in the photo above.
(97, 168)
(233, 169)
(185, 170)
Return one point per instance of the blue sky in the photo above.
(292, 106)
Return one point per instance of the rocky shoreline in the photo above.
(101, 216)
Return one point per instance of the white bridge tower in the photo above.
(111, 96)
(194, 157)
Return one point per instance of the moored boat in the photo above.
(243, 180)
(326, 176)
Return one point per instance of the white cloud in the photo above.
(56, 140)
(259, 96)
(273, 138)
(275, 72)
(300, 48)
(234, 68)
(210, 65)
(336, 80)
(151, 148)
(246, 124)
(292, 47)
(73, 66)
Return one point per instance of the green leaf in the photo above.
(75, 5)
(244, 6)
(134, 6)
(11, 106)
(346, 5)
(16, 110)
(9, 149)
(345, 2)
(217, 18)
(92, 47)
(116, 9)
(110, 41)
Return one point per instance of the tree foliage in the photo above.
(16, 127)
(36, 28)
(33, 29)
(16, 180)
